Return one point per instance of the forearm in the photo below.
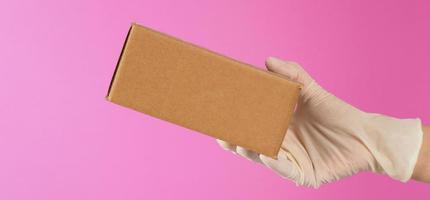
(422, 168)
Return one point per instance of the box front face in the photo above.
(203, 91)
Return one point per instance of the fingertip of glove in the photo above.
(226, 146)
(272, 62)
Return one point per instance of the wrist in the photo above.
(422, 168)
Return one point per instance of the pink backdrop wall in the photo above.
(59, 138)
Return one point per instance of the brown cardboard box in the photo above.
(204, 91)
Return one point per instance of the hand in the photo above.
(329, 139)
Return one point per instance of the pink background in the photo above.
(59, 138)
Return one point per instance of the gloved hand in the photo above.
(329, 139)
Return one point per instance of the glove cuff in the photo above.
(394, 143)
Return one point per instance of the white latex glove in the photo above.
(329, 139)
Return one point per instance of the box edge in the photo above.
(108, 95)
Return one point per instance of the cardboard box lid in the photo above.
(204, 91)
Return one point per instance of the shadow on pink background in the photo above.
(60, 139)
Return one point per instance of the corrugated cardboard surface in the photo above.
(201, 90)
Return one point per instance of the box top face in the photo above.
(204, 91)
